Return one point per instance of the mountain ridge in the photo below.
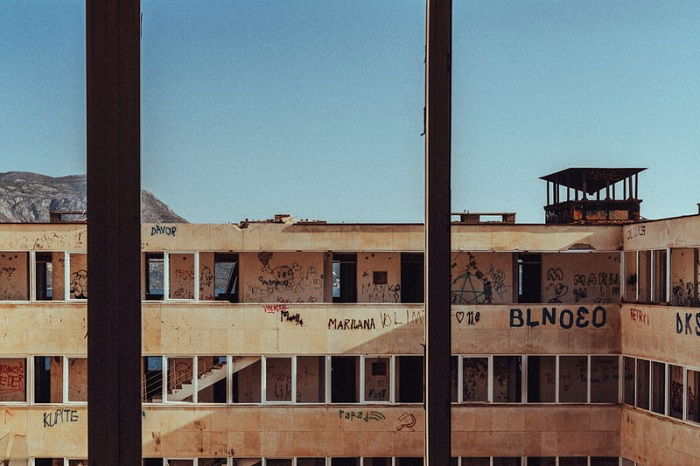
(28, 197)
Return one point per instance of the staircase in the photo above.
(183, 386)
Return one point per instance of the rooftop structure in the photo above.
(593, 195)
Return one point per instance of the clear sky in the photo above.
(257, 107)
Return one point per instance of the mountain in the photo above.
(27, 197)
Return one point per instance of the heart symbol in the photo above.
(460, 316)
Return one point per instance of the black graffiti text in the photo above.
(566, 318)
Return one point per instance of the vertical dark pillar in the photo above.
(114, 232)
(437, 230)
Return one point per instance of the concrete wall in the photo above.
(378, 277)
(683, 269)
(581, 278)
(14, 276)
(655, 441)
(482, 278)
(661, 332)
(672, 233)
(78, 276)
(281, 277)
(207, 285)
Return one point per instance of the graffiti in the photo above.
(361, 415)
(272, 308)
(79, 284)
(162, 230)
(300, 299)
(471, 316)
(603, 285)
(559, 290)
(206, 277)
(184, 275)
(288, 278)
(181, 293)
(281, 385)
(683, 293)
(351, 324)
(636, 231)
(9, 270)
(407, 422)
(685, 324)
(398, 318)
(6, 413)
(286, 316)
(566, 319)
(60, 416)
(638, 315)
(555, 274)
(12, 377)
(473, 286)
(382, 293)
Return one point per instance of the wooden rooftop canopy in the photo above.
(590, 180)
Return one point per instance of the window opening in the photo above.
(152, 379)
(573, 379)
(345, 375)
(377, 379)
(155, 276)
(246, 379)
(48, 379)
(412, 277)
(50, 276)
(693, 396)
(77, 379)
(507, 379)
(226, 277)
(14, 276)
(475, 379)
(642, 384)
(529, 278)
(629, 371)
(311, 379)
(278, 386)
(541, 379)
(212, 375)
(344, 278)
(78, 276)
(409, 379)
(13, 379)
(605, 376)
(181, 276)
(675, 387)
(658, 387)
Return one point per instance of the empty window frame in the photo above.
(50, 276)
(660, 273)
(476, 461)
(78, 284)
(178, 462)
(345, 461)
(675, 388)
(344, 278)
(279, 384)
(454, 379)
(658, 387)
(693, 396)
(77, 379)
(629, 372)
(225, 277)
(573, 379)
(644, 272)
(376, 461)
(13, 380)
(278, 462)
(377, 379)
(180, 379)
(408, 461)
(182, 280)
(541, 379)
(48, 379)
(507, 379)
(506, 461)
(605, 375)
(409, 379)
(529, 268)
(246, 383)
(212, 380)
(246, 462)
(152, 381)
(154, 275)
(541, 461)
(573, 461)
(345, 379)
(311, 379)
(631, 276)
(212, 461)
(14, 276)
(412, 282)
(604, 461)
(475, 379)
(48, 462)
(311, 461)
(642, 385)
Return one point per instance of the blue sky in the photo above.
(251, 108)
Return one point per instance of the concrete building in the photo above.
(284, 342)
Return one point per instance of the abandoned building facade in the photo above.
(281, 343)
